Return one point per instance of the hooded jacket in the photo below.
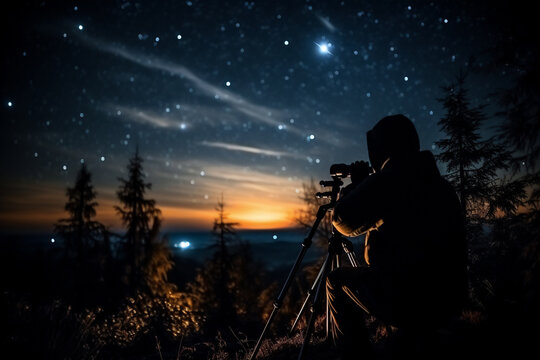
(412, 220)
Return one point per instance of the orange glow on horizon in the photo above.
(252, 199)
(248, 213)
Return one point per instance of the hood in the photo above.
(392, 137)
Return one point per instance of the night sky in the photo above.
(245, 99)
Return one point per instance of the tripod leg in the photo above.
(335, 264)
(320, 287)
(311, 292)
(347, 247)
(279, 300)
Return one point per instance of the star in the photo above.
(324, 48)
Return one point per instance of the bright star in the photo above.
(324, 48)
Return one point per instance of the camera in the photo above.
(358, 170)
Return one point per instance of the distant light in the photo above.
(36, 154)
(81, 27)
(157, 39)
(185, 244)
(183, 126)
(10, 104)
(179, 36)
(102, 158)
(82, 161)
(274, 237)
(311, 137)
(203, 173)
(64, 167)
(409, 7)
(52, 240)
(286, 42)
(446, 21)
(228, 83)
(406, 78)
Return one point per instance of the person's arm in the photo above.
(361, 208)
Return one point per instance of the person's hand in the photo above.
(359, 171)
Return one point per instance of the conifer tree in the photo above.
(140, 216)
(80, 230)
(87, 251)
(476, 168)
(229, 290)
(520, 103)
(473, 163)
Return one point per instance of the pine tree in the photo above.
(473, 164)
(87, 251)
(140, 216)
(520, 127)
(229, 290)
(80, 231)
(476, 168)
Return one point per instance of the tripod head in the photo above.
(335, 184)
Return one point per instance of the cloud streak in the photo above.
(248, 149)
(327, 24)
(264, 114)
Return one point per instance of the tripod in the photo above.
(336, 244)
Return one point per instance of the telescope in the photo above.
(360, 169)
(337, 244)
(340, 170)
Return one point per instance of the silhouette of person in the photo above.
(415, 248)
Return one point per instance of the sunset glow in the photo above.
(252, 203)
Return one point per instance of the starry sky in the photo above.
(245, 99)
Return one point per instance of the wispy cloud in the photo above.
(326, 22)
(260, 113)
(249, 191)
(274, 117)
(148, 117)
(248, 149)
